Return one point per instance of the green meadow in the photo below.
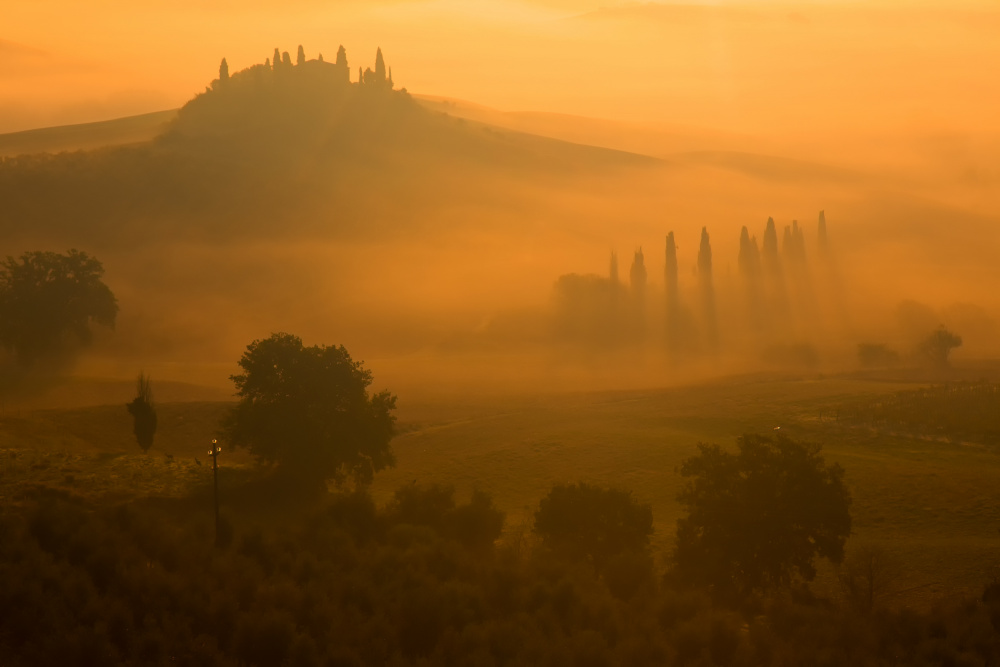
(932, 503)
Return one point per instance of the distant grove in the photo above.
(778, 301)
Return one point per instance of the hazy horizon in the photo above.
(752, 67)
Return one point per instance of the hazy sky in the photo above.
(744, 66)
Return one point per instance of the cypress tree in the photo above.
(673, 327)
(300, 58)
(276, 60)
(286, 60)
(637, 275)
(769, 253)
(613, 274)
(341, 57)
(380, 75)
(798, 242)
(143, 413)
(670, 271)
(707, 290)
(787, 243)
(223, 71)
(744, 258)
(824, 244)
(320, 57)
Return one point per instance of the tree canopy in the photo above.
(936, 348)
(594, 523)
(308, 410)
(756, 519)
(48, 302)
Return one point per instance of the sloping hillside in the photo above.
(87, 136)
(272, 144)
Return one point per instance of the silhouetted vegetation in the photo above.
(593, 523)
(143, 412)
(877, 355)
(418, 582)
(49, 301)
(307, 409)
(936, 348)
(758, 518)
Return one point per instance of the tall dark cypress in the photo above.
(823, 242)
(380, 74)
(707, 290)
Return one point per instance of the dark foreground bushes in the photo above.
(418, 582)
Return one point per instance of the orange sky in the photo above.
(749, 67)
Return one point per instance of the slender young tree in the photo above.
(380, 75)
(707, 289)
(823, 242)
(143, 412)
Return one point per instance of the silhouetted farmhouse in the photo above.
(280, 68)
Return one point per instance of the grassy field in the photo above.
(933, 504)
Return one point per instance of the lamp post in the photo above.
(214, 453)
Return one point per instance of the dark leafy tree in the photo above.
(49, 301)
(936, 348)
(308, 410)
(757, 519)
(477, 525)
(143, 413)
(593, 523)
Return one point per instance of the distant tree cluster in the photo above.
(777, 299)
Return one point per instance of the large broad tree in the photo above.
(308, 410)
(757, 518)
(49, 301)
